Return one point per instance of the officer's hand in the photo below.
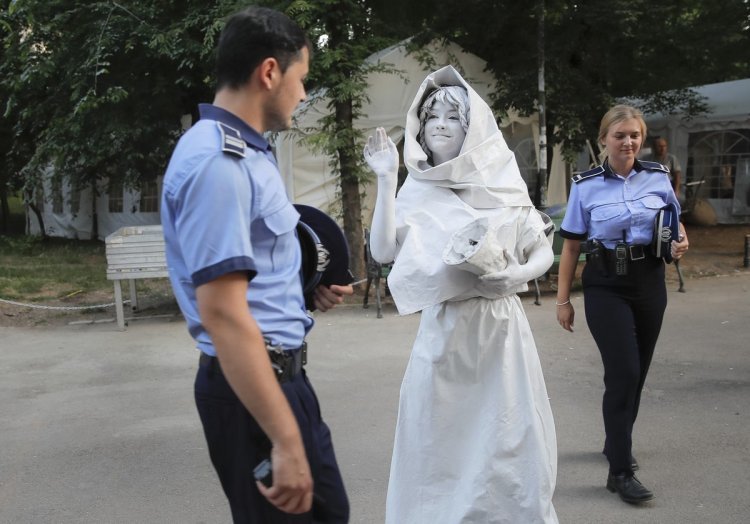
(326, 297)
(292, 489)
(566, 316)
(680, 247)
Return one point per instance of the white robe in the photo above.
(475, 438)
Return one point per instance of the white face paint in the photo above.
(443, 133)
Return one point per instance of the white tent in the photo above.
(714, 148)
(69, 214)
(308, 177)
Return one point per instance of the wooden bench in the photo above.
(134, 252)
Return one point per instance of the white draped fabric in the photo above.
(475, 438)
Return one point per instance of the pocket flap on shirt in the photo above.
(653, 202)
(282, 221)
(607, 212)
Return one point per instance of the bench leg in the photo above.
(679, 274)
(133, 295)
(365, 305)
(377, 297)
(538, 294)
(118, 306)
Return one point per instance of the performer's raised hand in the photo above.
(382, 156)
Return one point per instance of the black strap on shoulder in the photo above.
(231, 140)
(653, 166)
(591, 173)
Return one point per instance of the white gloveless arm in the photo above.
(382, 156)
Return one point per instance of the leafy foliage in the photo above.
(96, 89)
(598, 52)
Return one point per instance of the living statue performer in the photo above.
(475, 439)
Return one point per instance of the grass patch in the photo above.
(32, 270)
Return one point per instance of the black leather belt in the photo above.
(286, 363)
(635, 252)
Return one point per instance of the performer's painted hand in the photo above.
(505, 282)
(382, 156)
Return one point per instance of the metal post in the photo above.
(747, 251)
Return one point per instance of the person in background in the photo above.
(234, 263)
(475, 438)
(661, 155)
(610, 214)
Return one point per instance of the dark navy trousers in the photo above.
(237, 444)
(624, 315)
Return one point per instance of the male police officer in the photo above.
(234, 262)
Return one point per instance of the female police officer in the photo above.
(612, 207)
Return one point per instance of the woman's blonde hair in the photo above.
(616, 115)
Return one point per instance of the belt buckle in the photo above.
(642, 253)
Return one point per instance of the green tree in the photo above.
(346, 33)
(96, 89)
(597, 52)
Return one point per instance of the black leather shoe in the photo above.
(629, 488)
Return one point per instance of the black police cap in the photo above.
(325, 252)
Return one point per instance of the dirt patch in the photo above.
(714, 250)
(154, 299)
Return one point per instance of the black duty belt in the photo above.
(615, 261)
(286, 363)
(635, 252)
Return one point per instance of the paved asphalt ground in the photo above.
(98, 426)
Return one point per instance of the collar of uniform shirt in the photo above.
(608, 170)
(249, 135)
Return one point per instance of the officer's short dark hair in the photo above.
(252, 35)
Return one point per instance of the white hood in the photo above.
(485, 174)
(483, 181)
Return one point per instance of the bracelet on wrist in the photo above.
(562, 303)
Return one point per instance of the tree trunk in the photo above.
(94, 215)
(40, 219)
(351, 205)
(4, 208)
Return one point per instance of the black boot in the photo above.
(629, 488)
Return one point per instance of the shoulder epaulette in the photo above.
(231, 140)
(654, 166)
(598, 170)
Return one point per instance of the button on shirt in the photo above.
(224, 213)
(604, 206)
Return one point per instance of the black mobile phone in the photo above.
(621, 258)
(263, 473)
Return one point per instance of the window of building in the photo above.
(713, 161)
(149, 197)
(39, 197)
(115, 193)
(75, 201)
(57, 195)
(520, 140)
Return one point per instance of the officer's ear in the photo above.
(269, 73)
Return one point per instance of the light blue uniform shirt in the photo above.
(225, 210)
(603, 204)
